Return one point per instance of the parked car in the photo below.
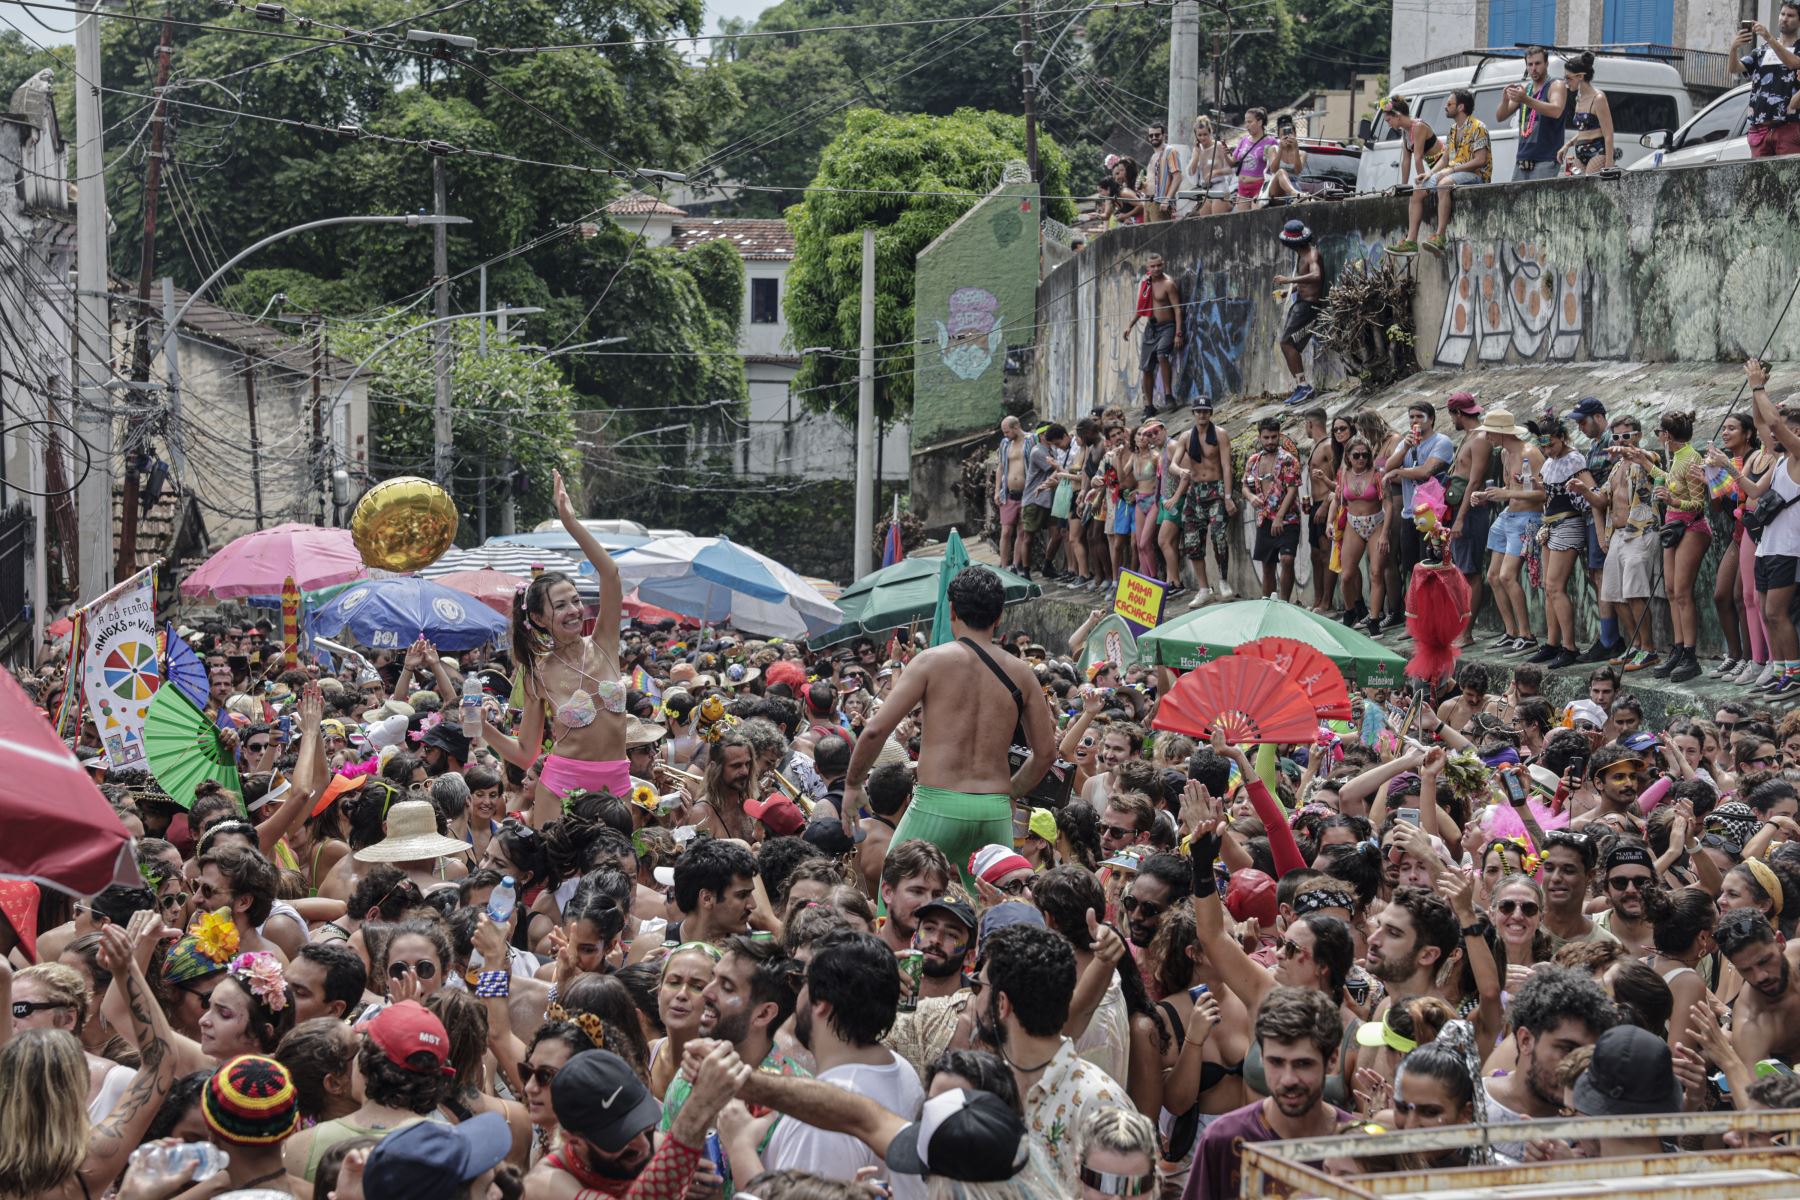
(1715, 135)
(1644, 96)
(1330, 171)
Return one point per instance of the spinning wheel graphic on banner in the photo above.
(130, 672)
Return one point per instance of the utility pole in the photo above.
(440, 334)
(140, 341)
(172, 375)
(865, 398)
(255, 437)
(1028, 70)
(93, 331)
(318, 413)
(1184, 70)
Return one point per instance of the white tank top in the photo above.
(1783, 537)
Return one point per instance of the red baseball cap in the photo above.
(779, 815)
(1465, 403)
(402, 1030)
(1251, 894)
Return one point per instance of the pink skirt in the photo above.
(564, 775)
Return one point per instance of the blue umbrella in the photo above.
(714, 579)
(391, 613)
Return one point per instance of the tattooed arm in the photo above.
(110, 1142)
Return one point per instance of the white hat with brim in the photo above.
(1499, 422)
(412, 836)
(387, 708)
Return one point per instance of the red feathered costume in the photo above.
(1437, 612)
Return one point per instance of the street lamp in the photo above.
(410, 220)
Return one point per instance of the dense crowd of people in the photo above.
(1536, 512)
(673, 914)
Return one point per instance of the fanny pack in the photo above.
(1769, 505)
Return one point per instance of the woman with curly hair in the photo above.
(465, 1019)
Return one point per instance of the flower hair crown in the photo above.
(260, 974)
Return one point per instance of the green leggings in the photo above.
(958, 823)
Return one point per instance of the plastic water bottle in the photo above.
(168, 1162)
(502, 901)
(471, 705)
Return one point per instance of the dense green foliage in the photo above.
(885, 157)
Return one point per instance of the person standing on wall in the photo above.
(1774, 126)
(1542, 104)
(1159, 306)
(1308, 284)
(1163, 175)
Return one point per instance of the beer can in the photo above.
(912, 964)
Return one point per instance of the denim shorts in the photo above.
(1511, 531)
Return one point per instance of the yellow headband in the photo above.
(1767, 880)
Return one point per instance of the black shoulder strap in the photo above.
(1175, 1023)
(1002, 676)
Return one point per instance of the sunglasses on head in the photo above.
(24, 1008)
(1509, 907)
(424, 968)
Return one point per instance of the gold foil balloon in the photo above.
(403, 524)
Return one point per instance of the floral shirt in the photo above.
(1055, 1104)
(1771, 87)
(1272, 479)
(1465, 141)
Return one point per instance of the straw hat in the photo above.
(1500, 423)
(891, 752)
(387, 708)
(643, 733)
(412, 836)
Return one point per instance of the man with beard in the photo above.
(966, 780)
(1023, 987)
(715, 889)
(753, 990)
(1411, 939)
(1765, 1017)
(720, 811)
(608, 1120)
(1298, 1031)
(1161, 880)
(848, 1002)
(915, 873)
(1118, 742)
(945, 935)
(1629, 872)
(1569, 859)
(1556, 1011)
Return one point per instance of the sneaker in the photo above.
(1774, 685)
(1504, 641)
(1299, 395)
(1201, 596)
(1643, 660)
(1748, 674)
(1435, 244)
(1597, 653)
(1625, 656)
(1394, 620)
(1786, 689)
(1568, 656)
(1405, 247)
(1176, 591)
(1225, 592)
(1355, 616)
(1549, 652)
(1763, 676)
(1727, 667)
(1523, 645)
(1371, 627)
(1670, 663)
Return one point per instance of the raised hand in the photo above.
(1107, 945)
(565, 510)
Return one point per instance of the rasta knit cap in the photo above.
(250, 1101)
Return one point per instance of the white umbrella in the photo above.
(509, 558)
(715, 579)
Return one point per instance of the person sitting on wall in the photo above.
(1468, 159)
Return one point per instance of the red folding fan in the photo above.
(1307, 666)
(1248, 699)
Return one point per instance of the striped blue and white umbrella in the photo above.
(510, 558)
(715, 579)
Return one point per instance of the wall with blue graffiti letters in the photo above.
(1689, 265)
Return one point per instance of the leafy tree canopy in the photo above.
(894, 164)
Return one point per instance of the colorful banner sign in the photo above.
(1112, 640)
(119, 667)
(290, 624)
(1140, 600)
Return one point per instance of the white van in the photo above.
(1644, 96)
(1716, 135)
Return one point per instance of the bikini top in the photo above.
(1371, 491)
(581, 708)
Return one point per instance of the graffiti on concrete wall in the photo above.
(1505, 301)
(1218, 329)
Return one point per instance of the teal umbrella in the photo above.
(956, 557)
(1206, 634)
(907, 592)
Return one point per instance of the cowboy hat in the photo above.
(412, 836)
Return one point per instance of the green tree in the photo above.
(909, 178)
(507, 411)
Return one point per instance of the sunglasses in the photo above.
(1289, 948)
(1117, 831)
(543, 1076)
(1509, 907)
(206, 891)
(1134, 906)
(174, 901)
(1359, 457)
(424, 968)
(1727, 726)
(24, 1008)
(1761, 761)
(1624, 883)
(1016, 887)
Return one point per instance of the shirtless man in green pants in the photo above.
(978, 702)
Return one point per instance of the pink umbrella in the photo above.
(258, 563)
(493, 588)
(60, 830)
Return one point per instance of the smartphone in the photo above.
(1408, 815)
(1746, 26)
(1578, 764)
(1358, 988)
(1515, 787)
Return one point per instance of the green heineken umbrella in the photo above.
(908, 591)
(1197, 637)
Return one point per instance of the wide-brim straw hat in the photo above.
(412, 836)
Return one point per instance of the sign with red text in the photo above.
(1139, 600)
